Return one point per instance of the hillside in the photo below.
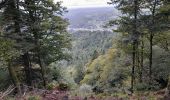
(85, 43)
(88, 33)
(95, 51)
(90, 18)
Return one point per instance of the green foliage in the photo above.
(142, 87)
(55, 73)
(35, 44)
(121, 95)
(79, 74)
(63, 86)
(107, 71)
(162, 40)
(88, 45)
(7, 51)
(52, 85)
(161, 66)
(4, 78)
(33, 34)
(35, 97)
(144, 31)
(85, 43)
(61, 74)
(84, 91)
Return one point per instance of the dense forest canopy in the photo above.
(33, 35)
(120, 52)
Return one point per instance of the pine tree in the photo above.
(3, 3)
(128, 23)
(38, 33)
(153, 26)
(49, 32)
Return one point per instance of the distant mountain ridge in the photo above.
(88, 34)
(91, 17)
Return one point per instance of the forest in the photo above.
(51, 52)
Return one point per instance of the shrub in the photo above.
(142, 87)
(85, 90)
(64, 86)
(34, 97)
(4, 78)
(51, 86)
(155, 86)
(97, 89)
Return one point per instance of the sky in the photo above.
(84, 3)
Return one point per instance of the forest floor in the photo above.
(56, 94)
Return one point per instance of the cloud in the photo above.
(72, 3)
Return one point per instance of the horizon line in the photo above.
(89, 6)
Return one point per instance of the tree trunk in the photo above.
(14, 77)
(133, 66)
(43, 70)
(150, 57)
(133, 69)
(167, 91)
(27, 64)
(33, 16)
(138, 69)
(135, 35)
(141, 62)
(151, 42)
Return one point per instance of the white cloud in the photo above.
(84, 3)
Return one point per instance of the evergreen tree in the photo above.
(129, 23)
(48, 30)
(38, 33)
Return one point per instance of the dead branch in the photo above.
(7, 92)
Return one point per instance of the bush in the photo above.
(155, 86)
(142, 87)
(85, 90)
(34, 98)
(5, 80)
(97, 89)
(52, 85)
(64, 86)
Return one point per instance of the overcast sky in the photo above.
(84, 3)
